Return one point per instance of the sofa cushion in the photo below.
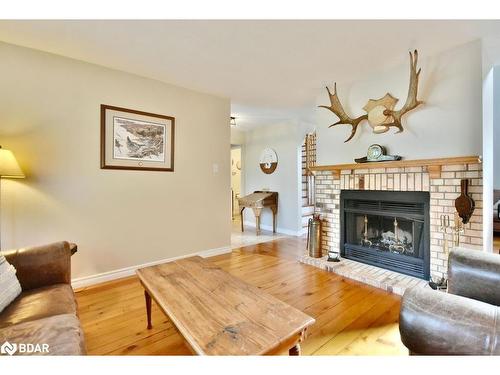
(9, 284)
(62, 334)
(39, 303)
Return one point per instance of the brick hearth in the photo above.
(443, 192)
(378, 277)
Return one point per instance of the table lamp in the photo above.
(9, 168)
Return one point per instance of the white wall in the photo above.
(491, 97)
(237, 136)
(286, 139)
(488, 115)
(49, 117)
(448, 124)
(496, 127)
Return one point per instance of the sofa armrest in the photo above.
(474, 274)
(438, 323)
(42, 265)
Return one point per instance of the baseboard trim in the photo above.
(270, 228)
(85, 281)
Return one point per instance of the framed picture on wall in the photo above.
(136, 140)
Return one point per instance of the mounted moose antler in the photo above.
(380, 113)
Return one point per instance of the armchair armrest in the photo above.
(474, 274)
(438, 323)
(42, 265)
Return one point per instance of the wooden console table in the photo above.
(219, 314)
(257, 201)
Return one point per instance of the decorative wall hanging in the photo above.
(268, 161)
(235, 166)
(377, 153)
(136, 140)
(380, 113)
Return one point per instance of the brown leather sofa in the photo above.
(464, 321)
(46, 311)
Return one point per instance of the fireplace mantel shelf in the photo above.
(433, 165)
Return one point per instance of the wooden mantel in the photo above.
(433, 165)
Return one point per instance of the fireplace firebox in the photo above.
(386, 229)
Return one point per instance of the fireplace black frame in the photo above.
(387, 260)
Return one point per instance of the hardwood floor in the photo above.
(351, 318)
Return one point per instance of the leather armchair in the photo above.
(464, 321)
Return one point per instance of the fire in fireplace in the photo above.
(386, 229)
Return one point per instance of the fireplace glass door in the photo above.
(393, 234)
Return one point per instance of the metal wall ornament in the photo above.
(268, 161)
(380, 113)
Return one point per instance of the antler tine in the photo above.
(330, 93)
(353, 132)
(328, 89)
(411, 100)
(414, 62)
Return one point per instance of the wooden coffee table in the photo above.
(219, 314)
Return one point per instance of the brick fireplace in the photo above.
(442, 182)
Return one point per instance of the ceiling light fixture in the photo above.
(232, 121)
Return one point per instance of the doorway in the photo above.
(235, 180)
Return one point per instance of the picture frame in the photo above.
(136, 140)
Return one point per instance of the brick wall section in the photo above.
(443, 192)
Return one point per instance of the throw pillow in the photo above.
(9, 284)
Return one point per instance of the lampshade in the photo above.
(9, 168)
